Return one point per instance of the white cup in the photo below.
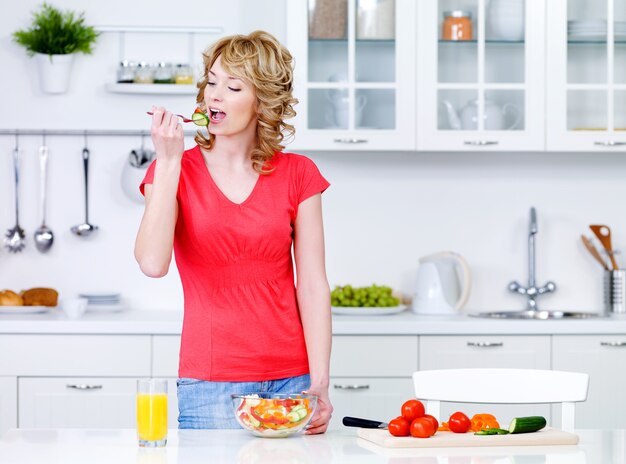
(74, 307)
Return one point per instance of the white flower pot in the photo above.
(54, 72)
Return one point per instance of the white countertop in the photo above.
(119, 446)
(406, 323)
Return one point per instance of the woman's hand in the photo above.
(167, 135)
(323, 412)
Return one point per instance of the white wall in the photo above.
(382, 212)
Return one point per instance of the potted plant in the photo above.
(53, 39)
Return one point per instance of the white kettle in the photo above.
(443, 284)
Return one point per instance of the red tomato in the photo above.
(459, 422)
(433, 421)
(412, 409)
(422, 428)
(399, 427)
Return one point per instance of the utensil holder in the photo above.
(615, 291)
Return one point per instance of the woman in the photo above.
(231, 208)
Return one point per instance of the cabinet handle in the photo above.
(485, 344)
(481, 143)
(612, 343)
(83, 386)
(609, 143)
(351, 387)
(350, 140)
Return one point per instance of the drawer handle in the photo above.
(350, 140)
(612, 343)
(83, 386)
(351, 387)
(481, 143)
(609, 143)
(485, 344)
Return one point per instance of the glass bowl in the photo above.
(274, 415)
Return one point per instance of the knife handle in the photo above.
(364, 423)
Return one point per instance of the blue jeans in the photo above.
(207, 405)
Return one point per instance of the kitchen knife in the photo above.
(363, 423)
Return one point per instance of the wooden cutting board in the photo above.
(547, 436)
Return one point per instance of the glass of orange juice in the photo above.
(152, 412)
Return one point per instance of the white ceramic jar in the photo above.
(505, 20)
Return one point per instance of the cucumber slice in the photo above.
(527, 424)
(200, 119)
(492, 432)
(293, 416)
(302, 413)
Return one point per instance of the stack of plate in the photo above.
(594, 29)
(103, 302)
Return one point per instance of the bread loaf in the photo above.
(10, 298)
(40, 297)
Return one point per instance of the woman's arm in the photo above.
(155, 239)
(313, 295)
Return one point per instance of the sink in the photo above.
(539, 314)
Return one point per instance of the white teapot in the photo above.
(494, 115)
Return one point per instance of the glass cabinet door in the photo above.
(487, 80)
(588, 75)
(351, 64)
(353, 84)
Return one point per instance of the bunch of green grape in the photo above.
(372, 296)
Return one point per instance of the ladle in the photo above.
(14, 238)
(85, 229)
(43, 235)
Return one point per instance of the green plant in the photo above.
(56, 32)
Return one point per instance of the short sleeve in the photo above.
(309, 180)
(148, 178)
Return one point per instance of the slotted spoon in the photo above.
(14, 239)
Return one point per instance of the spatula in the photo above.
(594, 251)
(604, 235)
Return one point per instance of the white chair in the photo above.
(516, 386)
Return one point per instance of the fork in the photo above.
(179, 115)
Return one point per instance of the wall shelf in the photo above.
(162, 89)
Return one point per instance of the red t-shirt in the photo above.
(241, 320)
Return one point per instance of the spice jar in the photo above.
(144, 74)
(183, 74)
(126, 72)
(164, 74)
(457, 25)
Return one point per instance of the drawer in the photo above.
(373, 356)
(78, 355)
(165, 349)
(77, 402)
(370, 398)
(458, 351)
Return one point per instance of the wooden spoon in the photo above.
(594, 251)
(604, 235)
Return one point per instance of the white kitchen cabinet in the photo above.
(8, 403)
(586, 75)
(371, 375)
(486, 93)
(77, 402)
(603, 358)
(470, 351)
(354, 74)
(368, 398)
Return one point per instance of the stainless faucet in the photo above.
(532, 292)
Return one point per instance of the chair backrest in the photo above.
(516, 386)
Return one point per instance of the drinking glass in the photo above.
(152, 412)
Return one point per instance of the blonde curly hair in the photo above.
(261, 60)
